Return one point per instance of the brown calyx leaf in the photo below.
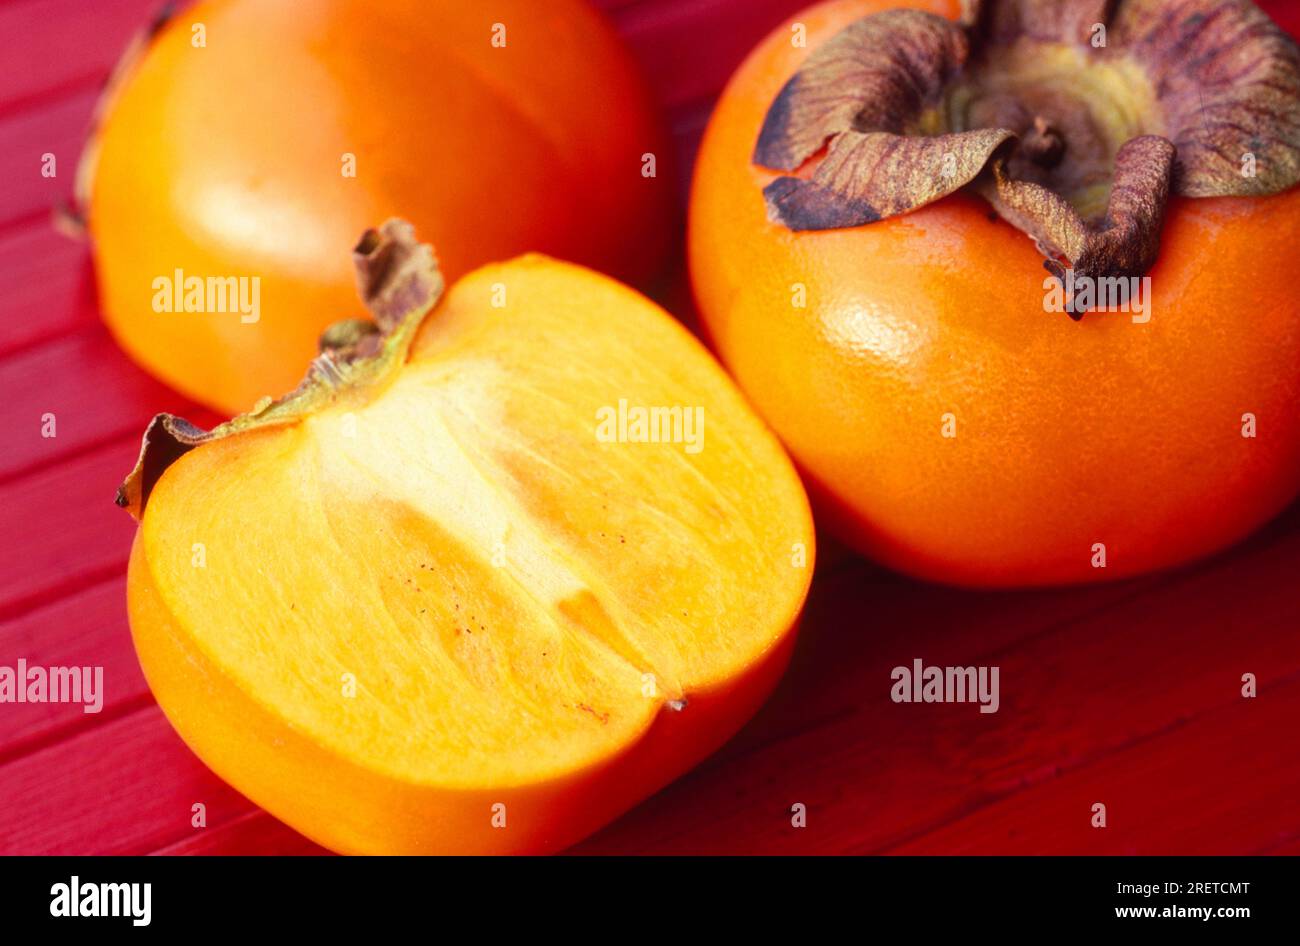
(1075, 118)
(166, 440)
(877, 74)
(1228, 85)
(398, 279)
(1122, 244)
(396, 274)
(867, 176)
(871, 88)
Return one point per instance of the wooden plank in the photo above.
(49, 286)
(254, 832)
(58, 45)
(1286, 13)
(611, 8)
(63, 530)
(1218, 784)
(58, 128)
(84, 629)
(1287, 843)
(688, 49)
(124, 787)
(92, 390)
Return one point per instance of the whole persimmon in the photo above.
(451, 596)
(251, 138)
(1017, 291)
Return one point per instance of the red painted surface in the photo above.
(1125, 694)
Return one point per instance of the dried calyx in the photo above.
(1075, 118)
(399, 282)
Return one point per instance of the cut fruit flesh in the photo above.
(530, 615)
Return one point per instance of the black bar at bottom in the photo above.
(562, 896)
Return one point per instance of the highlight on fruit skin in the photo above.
(902, 335)
(249, 139)
(449, 595)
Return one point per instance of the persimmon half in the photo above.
(487, 578)
(858, 251)
(251, 138)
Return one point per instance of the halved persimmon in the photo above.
(249, 139)
(480, 584)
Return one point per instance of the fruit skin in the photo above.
(1068, 434)
(227, 160)
(258, 740)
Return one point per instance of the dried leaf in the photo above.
(869, 176)
(398, 278)
(1228, 81)
(878, 74)
(1124, 243)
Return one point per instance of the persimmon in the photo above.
(961, 409)
(251, 138)
(455, 593)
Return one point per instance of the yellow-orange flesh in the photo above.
(533, 617)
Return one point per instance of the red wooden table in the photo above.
(1126, 694)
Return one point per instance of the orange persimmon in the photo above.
(453, 594)
(895, 332)
(252, 138)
